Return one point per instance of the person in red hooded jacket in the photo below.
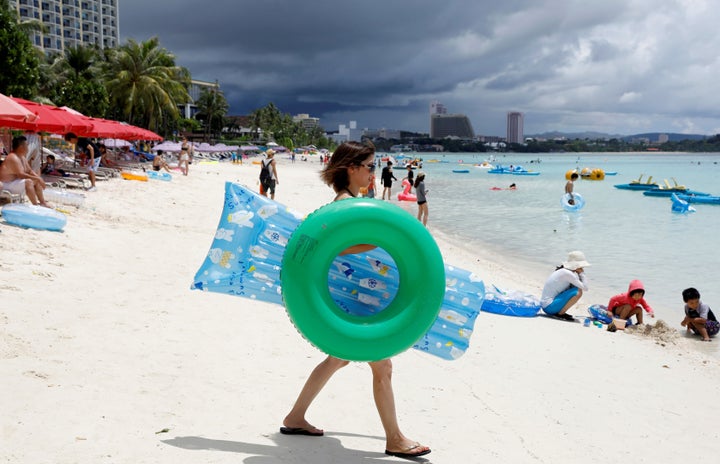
(632, 303)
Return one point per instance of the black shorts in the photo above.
(422, 202)
(269, 186)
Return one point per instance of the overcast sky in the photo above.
(614, 66)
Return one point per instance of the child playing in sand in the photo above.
(632, 303)
(699, 318)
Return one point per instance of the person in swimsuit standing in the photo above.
(184, 160)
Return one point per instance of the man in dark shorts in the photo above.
(90, 155)
(271, 181)
(386, 180)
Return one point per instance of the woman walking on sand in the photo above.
(350, 169)
(184, 160)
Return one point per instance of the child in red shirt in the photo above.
(632, 303)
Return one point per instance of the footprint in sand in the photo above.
(45, 274)
(35, 374)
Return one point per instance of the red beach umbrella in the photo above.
(12, 112)
(104, 128)
(50, 119)
(144, 134)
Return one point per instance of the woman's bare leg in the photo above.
(385, 403)
(571, 302)
(315, 382)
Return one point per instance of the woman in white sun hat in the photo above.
(565, 286)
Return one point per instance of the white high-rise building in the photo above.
(515, 127)
(349, 133)
(306, 121)
(71, 23)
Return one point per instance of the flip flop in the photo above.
(300, 431)
(561, 317)
(405, 454)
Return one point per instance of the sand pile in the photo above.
(661, 332)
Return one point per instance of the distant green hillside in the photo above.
(672, 137)
(652, 136)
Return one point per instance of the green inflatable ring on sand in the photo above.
(319, 240)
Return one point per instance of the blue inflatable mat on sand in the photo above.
(245, 257)
(599, 313)
(513, 303)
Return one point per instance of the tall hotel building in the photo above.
(70, 23)
(515, 127)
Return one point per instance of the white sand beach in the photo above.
(106, 356)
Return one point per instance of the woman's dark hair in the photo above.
(690, 294)
(346, 155)
(418, 179)
(574, 175)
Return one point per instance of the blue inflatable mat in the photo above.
(246, 253)
(512, 303)
(600, 313)
(158, 175)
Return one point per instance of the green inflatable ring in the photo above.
(304, 274)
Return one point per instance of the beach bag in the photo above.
(264, 173)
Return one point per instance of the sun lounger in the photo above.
(81, 182)
(99, 175)
(7, 196)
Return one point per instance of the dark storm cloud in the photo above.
(567, 62)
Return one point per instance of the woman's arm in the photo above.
(578, 280)
(355, 249)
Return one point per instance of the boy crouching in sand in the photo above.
(699, 318)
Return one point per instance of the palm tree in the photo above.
(74, 79)
(268, 119)
(18, 57)
(212, 107)
(79, 62)
(145, 85)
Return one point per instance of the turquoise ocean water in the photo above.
(624, 234)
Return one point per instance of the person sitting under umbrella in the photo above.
(17, 176)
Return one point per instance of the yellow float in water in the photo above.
(592, 174)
